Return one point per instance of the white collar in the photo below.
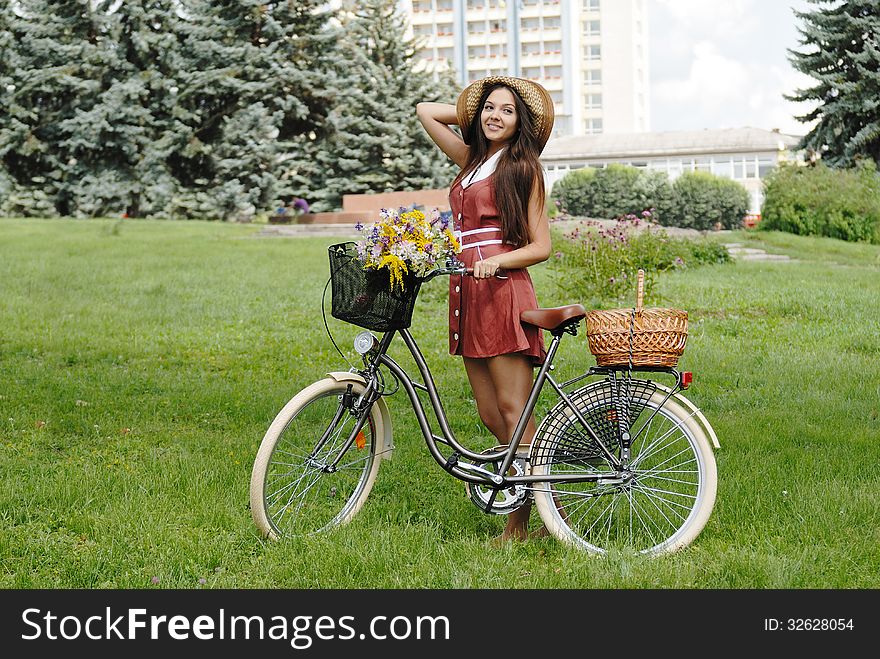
(483, 171)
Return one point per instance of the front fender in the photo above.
(386, 446)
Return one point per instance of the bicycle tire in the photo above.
(290, 494)
(661, 510)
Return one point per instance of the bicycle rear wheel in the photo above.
(667, 501)
(294, 490)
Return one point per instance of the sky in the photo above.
(724, 64)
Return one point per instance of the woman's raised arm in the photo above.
(436, 119)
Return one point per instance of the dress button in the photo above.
(456, 312)
(455, 336)
(457, 289)
(459, 216)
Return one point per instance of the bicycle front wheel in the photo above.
(305, 479)
(660, 509)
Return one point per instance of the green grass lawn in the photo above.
(142, 361)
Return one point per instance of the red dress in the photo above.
(484, 313)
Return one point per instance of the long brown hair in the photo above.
(518, 171)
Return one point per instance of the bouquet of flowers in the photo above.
(405, 242)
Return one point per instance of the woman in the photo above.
(497, 203)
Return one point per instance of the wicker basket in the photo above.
(637, 337)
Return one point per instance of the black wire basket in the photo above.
(365, 297)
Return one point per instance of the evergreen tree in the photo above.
(377, 144)
(6, 89)
(250, 75)
(841, 50)
(56, 64)
(313, 48)
(120, 144)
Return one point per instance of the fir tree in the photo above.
(841, 50)
(250, 74)
(56, 63)
(118, 147)
(377, 144)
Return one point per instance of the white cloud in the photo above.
(724, 64)
(713, 84)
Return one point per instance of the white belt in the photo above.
(473, 232)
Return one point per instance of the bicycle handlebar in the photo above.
(454, 267)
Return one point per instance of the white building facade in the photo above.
(591, 55)
(745, 155)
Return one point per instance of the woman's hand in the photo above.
(486, 268)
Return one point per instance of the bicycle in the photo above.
(620, 461)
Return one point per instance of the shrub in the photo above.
(597, 264)
(695, 200)
(820, 201)
(571, 193)
(703, 200)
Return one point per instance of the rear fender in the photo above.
(697, 413)
(386, 446)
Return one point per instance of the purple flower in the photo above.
(155, 579)
(358, 226)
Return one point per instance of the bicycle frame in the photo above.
(474, 473)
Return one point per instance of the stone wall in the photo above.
(366, 207)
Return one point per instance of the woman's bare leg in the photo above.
(501, 387)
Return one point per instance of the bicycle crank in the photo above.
(507, 499)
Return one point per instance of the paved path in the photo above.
(306, 230)
(740, 253)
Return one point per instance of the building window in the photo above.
(593, 77)
(533, 72)
(590, 5)
(499, 26)
(446, 53)
(722, 168)
(593, 53)
(531, 24)
(531, 48)
(552, 71)
(594, 101)
(591, 28)
(497, 50)
(593, 126)
(476, 51)
(552, 22)
(764, 166)
(552, 47)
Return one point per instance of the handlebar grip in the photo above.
(499, 274)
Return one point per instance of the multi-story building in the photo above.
(591, 55)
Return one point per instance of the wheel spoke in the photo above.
(654, 509)
(299, 494)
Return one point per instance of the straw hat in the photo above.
(536, 98)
